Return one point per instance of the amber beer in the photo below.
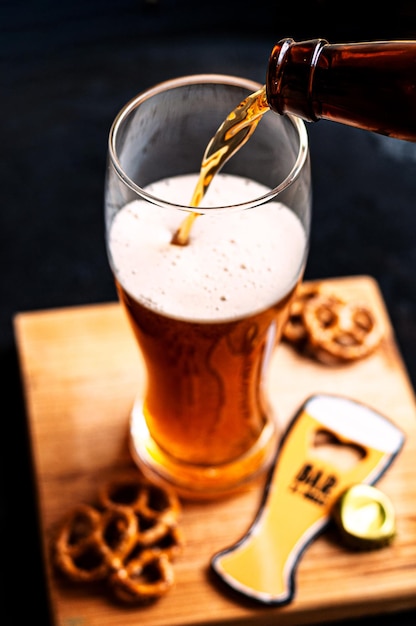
(205, 400)
(206, 317)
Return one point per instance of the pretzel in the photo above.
(144, 579)
(343, 330)
(89, 544)
(141, 496)
(325, 327)
(129, 540)
(156, 509)
(170, 546)
(294, 330)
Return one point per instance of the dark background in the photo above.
(66, 68)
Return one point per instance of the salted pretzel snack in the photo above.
(327, 327)
(148, 578)
(128, 540)
(294, 330)
(90, 543)
(344, 330)
(144, 498)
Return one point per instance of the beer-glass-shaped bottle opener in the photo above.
(332, 443)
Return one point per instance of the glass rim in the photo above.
(193, 79)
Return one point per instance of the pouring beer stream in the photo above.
(356, 84)
(233, 133)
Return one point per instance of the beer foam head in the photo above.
(235, 264)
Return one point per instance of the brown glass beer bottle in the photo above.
(369, 85)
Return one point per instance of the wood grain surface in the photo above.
(81, 370)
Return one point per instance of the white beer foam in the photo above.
(235, 264)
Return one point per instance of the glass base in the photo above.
(199, 482)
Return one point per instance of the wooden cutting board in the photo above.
(81, 371)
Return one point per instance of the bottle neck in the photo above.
(369, 85)
(289, 81)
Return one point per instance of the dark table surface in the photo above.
(66, 70)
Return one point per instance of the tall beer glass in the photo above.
(206, 315)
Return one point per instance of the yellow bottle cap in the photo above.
(365, 517)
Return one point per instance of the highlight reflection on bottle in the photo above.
(206, 316)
